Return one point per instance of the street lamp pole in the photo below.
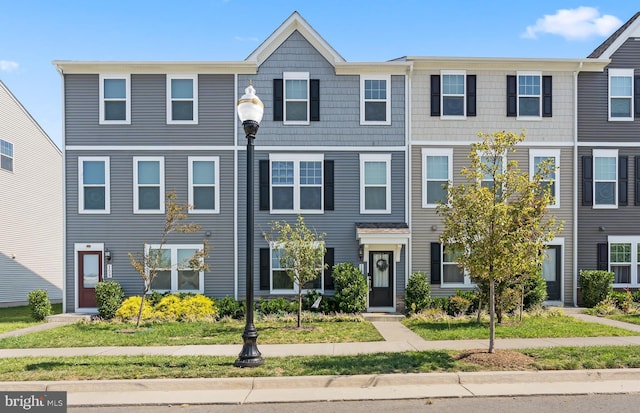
(250, 111)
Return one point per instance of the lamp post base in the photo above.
(250, 356)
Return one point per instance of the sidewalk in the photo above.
(321, 388)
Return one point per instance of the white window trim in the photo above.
(547, 153)
(620, 73)
(136, 209)
(364, 158)
(216, 184)
(634, 241)
(174, 265)
(442, 94)
(467, 279)
(7, 156)
(448, 152)
(605, 153)
(363, 101)
(295, 76)
(528, 117)
(107, 185)
(127, 79)
(296, 158)
(170, 120)
(274, 245)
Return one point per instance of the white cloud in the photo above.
(8, 66)
(574, 24)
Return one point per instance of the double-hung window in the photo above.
(93, 185)
(375, 100)
(296, 183)
(605, 178)
(281, 283)
(624, 260)
(175, 272)
(452, 274)
(115, 99)
(621, 94)
(6, 155)
(551, 178)
(296, 98)
(453, 94)
(375, 183)
(204, 188)
(529, 94)
(438, 170)
(148, 185)
(182, 99)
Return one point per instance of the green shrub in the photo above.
(472, 296)
(154, 297)
(604, 307)
(276, 306)
(535, 291)
(109, 296)
(636, 296)
(440, 303)
(229, 307)
(623, 300)
(596, 286)
(418, 293)
(351, 288)
(129, 309)
(39, 304)
(458, 305)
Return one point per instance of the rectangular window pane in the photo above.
(622, 274)
(93, 172)
(310, 197)
(620, 253)
(375, 198)
(438, 167)
(620, 86)
(529, 85)
(182, 88)
(115, 88)
(149, 198)
(282, 197)
(162, 281)
(115, 110)
(620, 108)
(297, 111)
(310, 173)
(281, 281)
(375, 89)
(182, 110)
(94, 198)
(282, 173)
(529, 107)
(375, 111)
(375, 173)
(6, 148)
(188, 280)
(451, 273)
(148, 172)
(91, 270)
(605, 168)
(436, 192)
(453, 106)
(6, 163)
(204, 173)
(204, 197)
(296, 89)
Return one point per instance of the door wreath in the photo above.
(382, 264)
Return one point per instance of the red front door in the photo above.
(89, 275)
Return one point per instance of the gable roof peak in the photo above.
(630, 29)
(295, 22)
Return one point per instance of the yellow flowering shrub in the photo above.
(129, 308)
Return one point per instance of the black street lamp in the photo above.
(250, 111)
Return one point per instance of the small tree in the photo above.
(499, 228)
(301, 254)
(149, 264)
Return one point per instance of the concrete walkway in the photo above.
(397, 338)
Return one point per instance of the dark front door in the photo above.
(552, 271)
(381, 279)
(89, 275)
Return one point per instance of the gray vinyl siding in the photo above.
(122, 231)
(216, 120)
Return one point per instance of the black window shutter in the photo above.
(328, 272)
(587, 180)
(265, 268)
(512, 96)
(623, 180)
(636, 95)
(314, 101)
(435, 95)
(471, 95)
(277, 99)
(637, 175)
(264, 184)
(328, 185)
(603, 256)
(546, 96)
(435, 263)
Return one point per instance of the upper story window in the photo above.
(438, 170)
(552, 157)
(453, 94)
(6, 155)
(296, 183)
(115, 99)
(204, 189)
(375, 100)
(605, 178)
(375, 184)
(296, 98)
(529, 95)
(621, 94)
(174, 272)
(93, 185)
(148, 185)
(182, 99)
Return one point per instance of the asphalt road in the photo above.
(619, 403)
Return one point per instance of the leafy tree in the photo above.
(497, 223)
(150, 263)
(301, 253)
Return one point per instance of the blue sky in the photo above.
(35, 32)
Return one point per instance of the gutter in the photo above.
(575, 187)
(64, 197)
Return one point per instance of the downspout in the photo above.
(575, 187)
(408, 210)
(64, 199)
(235, 191)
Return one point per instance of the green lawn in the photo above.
(627, 318)
(14, 318)
(530, 327)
